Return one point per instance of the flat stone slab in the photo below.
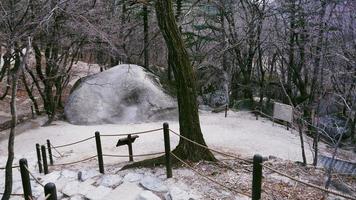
(127, 191)
(111, 181)
(78, 188)
(153, 184)
(98, 193)
(132, 177)
(147, 195)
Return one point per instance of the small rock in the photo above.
(80, 178)
(153, 184)
(132, 177)
(147, 195)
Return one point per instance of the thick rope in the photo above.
(33, 176)
(210, 179)
(262, 113)
(47, 196)
(213, 150)
(3, 168)
(310, 184)
(13, 194)
(139, 155)
(133, 133)
(55, 149)
(74, 162)
(80, 141)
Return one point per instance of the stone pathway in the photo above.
(135, 184)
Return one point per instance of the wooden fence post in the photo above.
(99, 151)
(50, 191)
(50, 152)
(167, 148)
(129, 144)
(38, 151)
(44, 159)
(226, 108)
(25, 177)
(257, 177)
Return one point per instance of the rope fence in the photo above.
(258, 182)
(133, 133)
(42, 154)
(309, 184)
(210, 179)
(26, 174)
(138, 155)
(55, 149)
(213, 150)
(257, 162)
(75, 162)
(3, 168)
(74, 143)
(33, 176)
(12, 194)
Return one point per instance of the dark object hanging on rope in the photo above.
(127, 141)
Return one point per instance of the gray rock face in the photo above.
(212, 82)
(122, 94)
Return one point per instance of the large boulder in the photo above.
(122, 94)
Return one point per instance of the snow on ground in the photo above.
(240, 134)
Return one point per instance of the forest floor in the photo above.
(240, 134)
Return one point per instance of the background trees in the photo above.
(246, 53)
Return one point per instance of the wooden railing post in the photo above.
(167, 148)
(44, 159)
(129, 144)
(257, 177)
(50, 191)
(38, 152)
(25, 177)
(99, 151)
(50, 152)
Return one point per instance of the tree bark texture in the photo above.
(183, 72)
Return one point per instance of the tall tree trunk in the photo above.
(145, 36)
(178, 59)
(10, 155)
(300, 128)
(5, 72)
(29, 93)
